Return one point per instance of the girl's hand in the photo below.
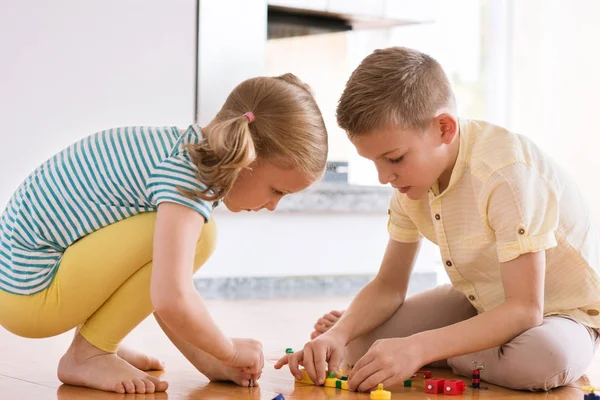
(388, 361)
(248, 355)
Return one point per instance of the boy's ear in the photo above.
(447, 126)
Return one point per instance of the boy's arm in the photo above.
(379, 299)
(523, 281)
(375, 303)
(523, 309)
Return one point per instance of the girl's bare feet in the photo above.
(85, 365)
(140, 360)
(326, 322)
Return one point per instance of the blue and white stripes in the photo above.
(102, 179)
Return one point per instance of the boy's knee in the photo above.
(531, 362)
(544, 373)
(356, 349)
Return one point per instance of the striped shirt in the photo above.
(506, 198)
(102, 179)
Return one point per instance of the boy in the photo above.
(514, 234)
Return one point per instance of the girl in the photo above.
(114, 227)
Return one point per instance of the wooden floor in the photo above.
(28, 367)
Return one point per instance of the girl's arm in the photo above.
(173, 295)
(523, 309)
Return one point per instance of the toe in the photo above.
(140, 386)
(149, 385)
(153, 364)
(159, 386)
(129, 386)
(119, 388)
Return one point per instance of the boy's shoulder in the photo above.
(491, 148)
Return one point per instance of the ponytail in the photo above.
(228, 147)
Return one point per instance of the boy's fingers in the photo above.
(282, 361)
(293, 362)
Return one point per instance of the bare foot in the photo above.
(140, 360)
(85, 365)
(325, 323)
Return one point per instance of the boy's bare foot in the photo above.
(140, 360)
(85, 365)
(326, 322)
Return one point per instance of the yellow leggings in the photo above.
(102, 285)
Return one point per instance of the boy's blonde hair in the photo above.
(288, 131)
(394, 86)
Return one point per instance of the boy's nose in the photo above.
(385, 176)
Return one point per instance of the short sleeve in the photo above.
(400, 227)
(175, 173)
(522, 210)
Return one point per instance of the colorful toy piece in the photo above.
(591, 395)
(380, 394)
(340, 384)
(476, 377)
(408, 383)
(434, 385)
(279, 397)
(289, 351)
(426, 374)
(454, 387)
(330, 380)
(305, 378)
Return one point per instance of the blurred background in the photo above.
(70, 68)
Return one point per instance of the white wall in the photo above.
(232, 41)
(555, 83)
(282, 244)
(70, 68)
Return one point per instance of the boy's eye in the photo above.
(396, 160)
(276, 192)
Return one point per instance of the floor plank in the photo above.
(28, 367)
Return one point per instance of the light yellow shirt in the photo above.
(506, 198)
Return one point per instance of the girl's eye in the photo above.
(396, 160)
(277, 192)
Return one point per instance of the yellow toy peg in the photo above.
(305, 378)
(590, 389)
(381, 394)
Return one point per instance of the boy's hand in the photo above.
(388, 361)
(248, 356)
(324, 353)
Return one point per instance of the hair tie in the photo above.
(250, 116)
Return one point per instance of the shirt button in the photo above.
(521, 231)
(471, 297)
(437, 216)
(593, 313)
(449, 263)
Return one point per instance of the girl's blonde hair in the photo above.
(287, 130)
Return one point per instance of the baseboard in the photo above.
(240, 288)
